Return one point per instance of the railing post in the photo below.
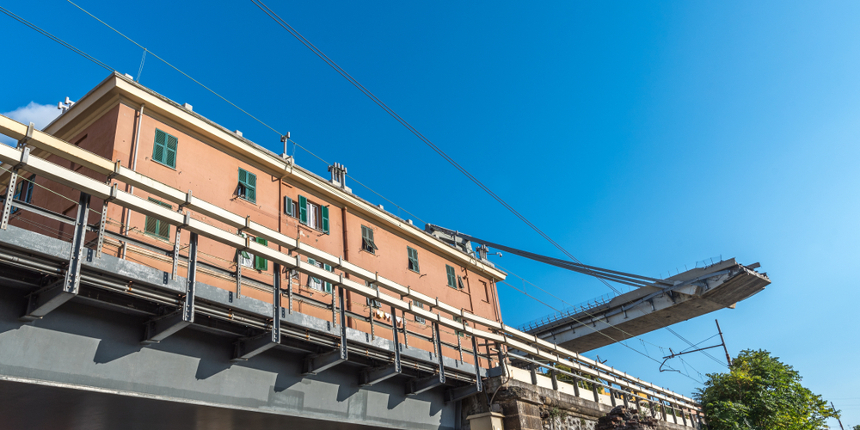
(10, 194)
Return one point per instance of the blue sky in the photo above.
(641, 136)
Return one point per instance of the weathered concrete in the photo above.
(531, 407)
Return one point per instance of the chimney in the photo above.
(338, 176)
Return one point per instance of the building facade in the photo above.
(123, 121)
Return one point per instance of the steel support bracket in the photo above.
(46, 301)
(247, 348)
(377, 374)
(7, 203)
(319, 363)
(158, 329)
(460, 393)
(419, 386)
(28, 136)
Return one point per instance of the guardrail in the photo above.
(499, 333)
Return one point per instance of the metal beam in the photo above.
(46, 301)
(377, 374)
(418, 386)
(160, 328)
(460, 393)
(247, 348)
(421, 385)
(319, 363)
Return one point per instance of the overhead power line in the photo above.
(56, 39)
(280, 21)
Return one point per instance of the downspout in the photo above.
(130, 188)
(350, 322)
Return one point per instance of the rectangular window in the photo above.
(313, 215)
(247, 188)
(316, 283)
(327, 285)
(452, 276)
(289, 207)
(460, 283)
(246, 259)
(413, 259)
(24, 191)
(156, 227)
(261, 263)
(460, 320)
(372, 302)
(164, 149)
(420, 305)
(367, 240)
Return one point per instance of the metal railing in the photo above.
(495, 332)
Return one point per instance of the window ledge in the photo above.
(160, 163)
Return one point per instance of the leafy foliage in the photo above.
(761, 393)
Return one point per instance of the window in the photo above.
(289, 207)
(246, 259)
(460, 320)
(164, 149)
(420, 305)
(313, 215)
(460, 282)
(413, 259)
(24, 191)
(317, 283)
(367, 240)
(372, 302)
(247, 188)
(452, 276)
(261, 263)
(156, 227)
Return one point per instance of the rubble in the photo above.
(621, 418)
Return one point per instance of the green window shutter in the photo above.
(452, 280)
(259, 262)
(248, 181)
(170, 153)
(155, 226)
(324, 211)
(460, 282)
(303, 210)
(159, 149)
(413, 259)
(288, 206)
(251, 187)
(327, 284)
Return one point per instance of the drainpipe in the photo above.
(346, 258)
(130, 188)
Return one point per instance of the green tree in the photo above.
(761, 393)
(857, 427)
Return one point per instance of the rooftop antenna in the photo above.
(65, 105)
(284, 140)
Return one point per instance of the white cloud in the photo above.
(39, 115)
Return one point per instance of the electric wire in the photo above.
(622, 343)
(693, 346)
(346, 75)
(296, 144)
(585, 311)
(56, 39)
(280, 21)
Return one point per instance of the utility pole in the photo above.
(728, 357)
